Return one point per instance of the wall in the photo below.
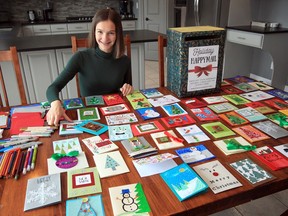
(61, 9)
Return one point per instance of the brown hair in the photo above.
(112, 15)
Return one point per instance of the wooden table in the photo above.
(161, 199)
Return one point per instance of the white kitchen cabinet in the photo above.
(63, 56)
(129, 25)
(77, 28)
(27, 30)
(40, 69)
(59, 28)
(42, 29)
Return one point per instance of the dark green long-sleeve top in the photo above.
(99, 73)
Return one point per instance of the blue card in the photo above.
(183, 181)
(148, 113)
(92, 127)
(194, 154)
(120, 132)
(73, 103)
(80, 206)
(279, 93)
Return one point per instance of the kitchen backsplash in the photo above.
(61, 9)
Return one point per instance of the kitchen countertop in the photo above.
(261, 30)
(33, 43)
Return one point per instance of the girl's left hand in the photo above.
(126, 89)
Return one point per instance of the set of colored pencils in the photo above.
(16, 161)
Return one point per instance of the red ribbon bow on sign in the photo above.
(200, 70)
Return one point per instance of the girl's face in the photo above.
(105, 34)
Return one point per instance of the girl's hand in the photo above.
(55, 113)
(126, 89)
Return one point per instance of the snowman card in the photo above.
(129, 200)
(148, 113)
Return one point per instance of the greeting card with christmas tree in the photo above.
(138, 100)
(261, 107)
(233, 119)
(110, 164)
(252, 172)
(81, 206)
(183, 181)
(250, 133)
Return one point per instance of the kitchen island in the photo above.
(42, 58)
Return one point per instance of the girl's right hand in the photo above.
(55, 113)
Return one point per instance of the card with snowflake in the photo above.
(151, 93)
(204, 114)
(43, 191)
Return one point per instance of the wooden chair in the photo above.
(83, 43)
(162, 43)
(11, 55)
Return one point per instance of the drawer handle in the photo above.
(43, 29)
(59, 28)
(241, 38)
(78, 27)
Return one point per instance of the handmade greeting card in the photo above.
(67, 128)
(88, 113)
(73, 103)
(110, 164)
(284, 111)
(151, 93)
(283, 148)
(261, 107)
(257, 95)
(98, 146)
(120, 132)
(156, 164)
(279, 118)
(92, 127)
(81, 206)
(222, 107)
(217, 129)
(129, 200)
(236, 99)
(217, 177)
(146, 127)
(67, 145)
(138, 147)
(42, 191)
(245, 87)
(276, 103)
(180, 120)
(271, 129)
(148, 113)
(94, 100)
(192, 103)
(138, 100)
(204, 114)
(119, 108)
(279, 93)
(241, 79)
(260, 85)
(167, 140)
(194, 154)
(214, 99)
(231, 90)
(183, 181)
(173, 109)
(273, 159)
(252, 172)
(234, 145)
(233, 119)
(113, 99)
(226, 82)
(121, 119)
(160, 101)
(83, 182)
(192, 134)
(250, 133)
(250, 114)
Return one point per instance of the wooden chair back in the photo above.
(12, 56)
(83, 43)
(162, 43)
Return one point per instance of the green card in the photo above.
(217, 129)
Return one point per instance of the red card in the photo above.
(180, 120)
(113, 99)
(147, 127)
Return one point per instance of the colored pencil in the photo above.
(18, 166)
(34, 157)
(26, 161)
(30, 159)
(7, 163)
(11, 163)
(23, 156)
(17, 159)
